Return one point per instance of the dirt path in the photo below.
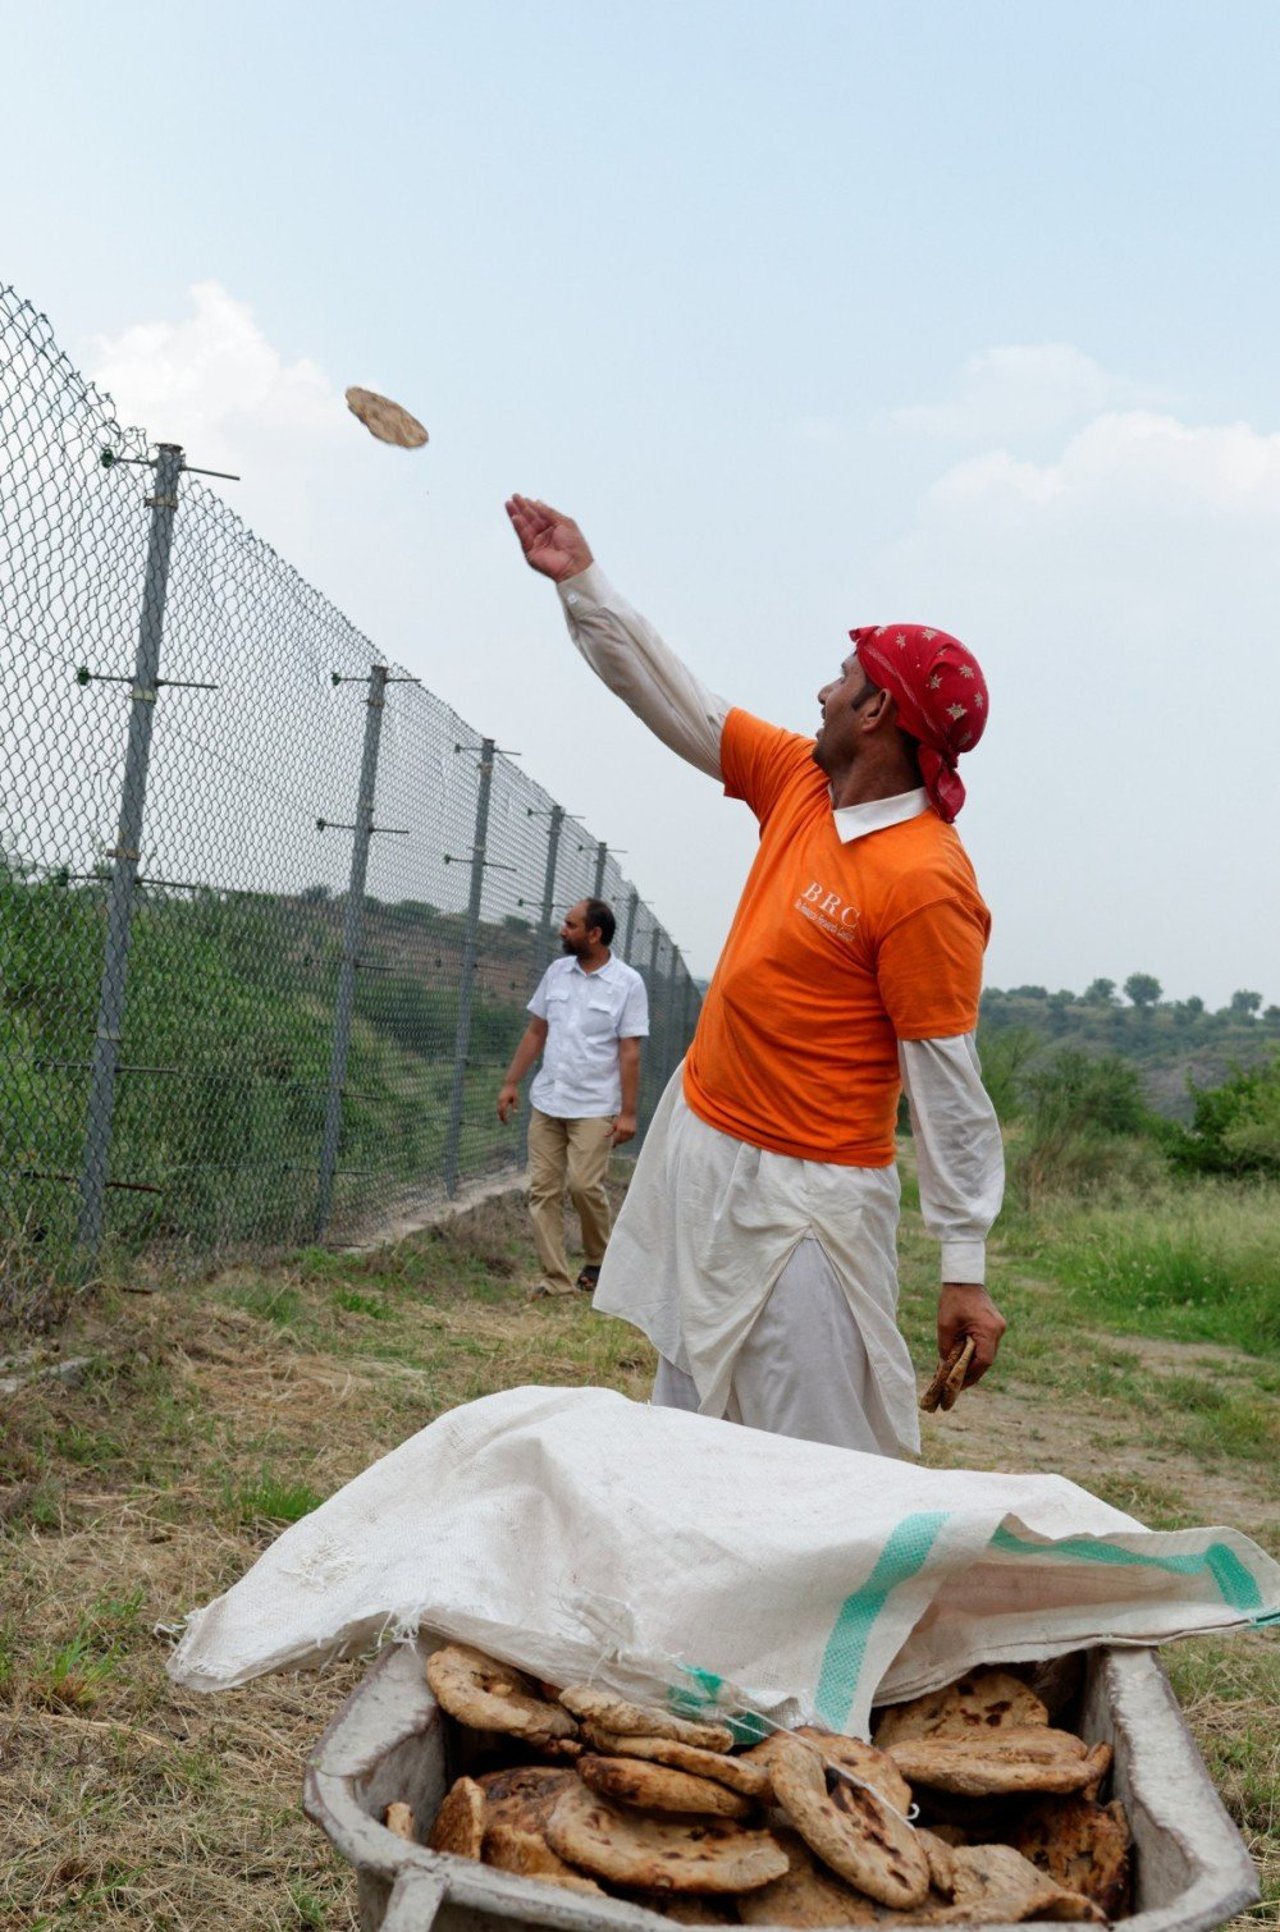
(1121, 1451)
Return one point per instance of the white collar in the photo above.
(856, 821)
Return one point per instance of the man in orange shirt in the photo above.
(756, 1247)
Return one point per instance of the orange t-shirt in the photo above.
(836, 953)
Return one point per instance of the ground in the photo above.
(209, 1412)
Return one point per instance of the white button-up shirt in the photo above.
(586, 1014)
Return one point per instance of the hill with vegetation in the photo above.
(1176, 1046)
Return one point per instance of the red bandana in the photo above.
(941, 697)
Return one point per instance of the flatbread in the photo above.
(525, 1796)
(752, 1780)
(459, 1824)
(942, 1863)
(1083, 1846)
(999, 1766)
(561, 1750)
(509, 1849)
(977, 1703)
(1100, 1759)
(954, 1381)
(846, 1754)
(661, 1854)
(948, 1378)
(866, 1762)
(805, 1896)
(994, 1884)
(400, 1820)
(618, 1715)
(862, 1838)
(490, 1696)
(1033, 1759)
(386, 419)
(657, 1787)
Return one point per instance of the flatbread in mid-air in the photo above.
(386, 419)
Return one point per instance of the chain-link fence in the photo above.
(269, 910)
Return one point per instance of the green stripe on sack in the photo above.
(701, 1699)
(905, 1553)
(1236, 1583)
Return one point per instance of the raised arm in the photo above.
(621, 647)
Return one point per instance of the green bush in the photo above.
(1005, 1056)
(1235, 1128)
(1086, 1131)
(1074, 1092)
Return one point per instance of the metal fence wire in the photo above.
(269, 910)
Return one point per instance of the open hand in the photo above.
(552, 543)
(964, 1310)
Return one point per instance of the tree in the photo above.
(1100, 992)
(1143, 989)
(1245, 1006)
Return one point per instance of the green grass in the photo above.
(276, 1302)
(73, 1674)
(1200, 1264)
(355, 1303)
(270, 1499)
(1230, 1693)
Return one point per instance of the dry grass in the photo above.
(212, 1413)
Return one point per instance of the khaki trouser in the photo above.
(573, 1153)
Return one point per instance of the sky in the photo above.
(813, 314)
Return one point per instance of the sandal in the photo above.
(588, 1278)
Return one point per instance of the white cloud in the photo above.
(1123, 595)
(1016, 391)
(212, 379)
(212, 382)
(1154, 464)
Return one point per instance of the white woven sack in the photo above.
(587, 1537)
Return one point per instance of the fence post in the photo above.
(124, 872)
(352, 933)
(549, 883)
(675, 1043)
(462, 1040)
(657, 1080)
(632, 907)
(602, 853)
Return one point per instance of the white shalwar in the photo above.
(768, 1284)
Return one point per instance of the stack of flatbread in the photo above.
(970, 1808)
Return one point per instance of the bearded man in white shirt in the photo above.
(590, 1013)
(757, 1244)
